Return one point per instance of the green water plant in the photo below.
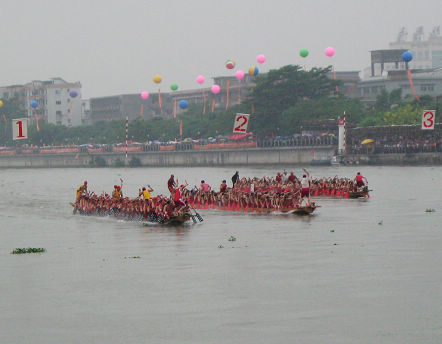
(28, 250)
(429, 210)
(232, 238)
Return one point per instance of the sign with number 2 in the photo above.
(428, 119)
(241, 122)
(19, 128)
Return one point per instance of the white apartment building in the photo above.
(55, 101)
(427, 53)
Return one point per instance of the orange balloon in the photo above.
(157, 79)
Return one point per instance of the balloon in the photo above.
(34, 104)
(216, 89)
(1, 103)
(157, 79)
(239, 74)
(407, 56)
(330, 51)
(303, 52)
(253, 70)
(73, 93)
(200, 79)
(261, 58)
(183, 104)
(144, 95)
(230, 64)
(174, 87)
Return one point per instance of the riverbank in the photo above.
(270, 156)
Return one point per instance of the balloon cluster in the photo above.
(239, 74)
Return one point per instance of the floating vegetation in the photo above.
(132, 257)
(28, 250)
(220, 246)
(232, 238)
(429, 210)
(332, 230)
(381, 222)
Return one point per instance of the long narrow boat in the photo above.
(171, 221)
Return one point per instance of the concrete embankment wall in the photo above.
(433, 158)
(252, 156)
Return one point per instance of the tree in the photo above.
(281, 89)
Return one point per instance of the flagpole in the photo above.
(127, 129)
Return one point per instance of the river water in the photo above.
(358, 271)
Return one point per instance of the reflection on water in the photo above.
(357, 271)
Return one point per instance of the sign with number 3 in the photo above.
(19, 128)
(241, 122)
(428, 119)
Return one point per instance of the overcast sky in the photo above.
(115, 47)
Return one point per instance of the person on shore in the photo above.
(204, 186)
(359, 179)
(235, 179)
(305, 186)
(82, 190)
(171, 184)
(223, 186)
(146, 193)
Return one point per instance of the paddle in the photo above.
(198, 216)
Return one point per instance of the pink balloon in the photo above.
(144, 95)
(200, 79)
(261, 58)
(239, 74)
(216, 89)
(330, 51)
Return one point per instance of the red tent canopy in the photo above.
(237, 137)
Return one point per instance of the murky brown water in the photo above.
(285, 279)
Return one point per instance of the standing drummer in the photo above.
(359, 179)
(305, 186)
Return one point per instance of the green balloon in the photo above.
(174, 87)
(303, 52)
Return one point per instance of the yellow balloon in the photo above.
(157, 79)
(1, 103)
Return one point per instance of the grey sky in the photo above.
(115, 47)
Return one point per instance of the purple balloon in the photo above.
(73, 93)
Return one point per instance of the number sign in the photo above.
(19, 128)
(241, 122)
(428, 119)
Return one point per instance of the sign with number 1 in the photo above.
(428, 119)
(241, 122)
(19, 128)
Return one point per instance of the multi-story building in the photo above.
(131, 106)
(58, 101)
(426, 53)
(425, 82)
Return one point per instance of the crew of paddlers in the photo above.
(282, 193)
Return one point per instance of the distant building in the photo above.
(425, 82)
(55, 104)
(350, 81)
(426, 53)
(130, 105)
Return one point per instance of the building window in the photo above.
(58, 113)
(57, 91)
(58, 102)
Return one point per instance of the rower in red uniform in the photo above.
(223, 187)
(171, 184)
(359, 179)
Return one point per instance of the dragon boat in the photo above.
(150, 218)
